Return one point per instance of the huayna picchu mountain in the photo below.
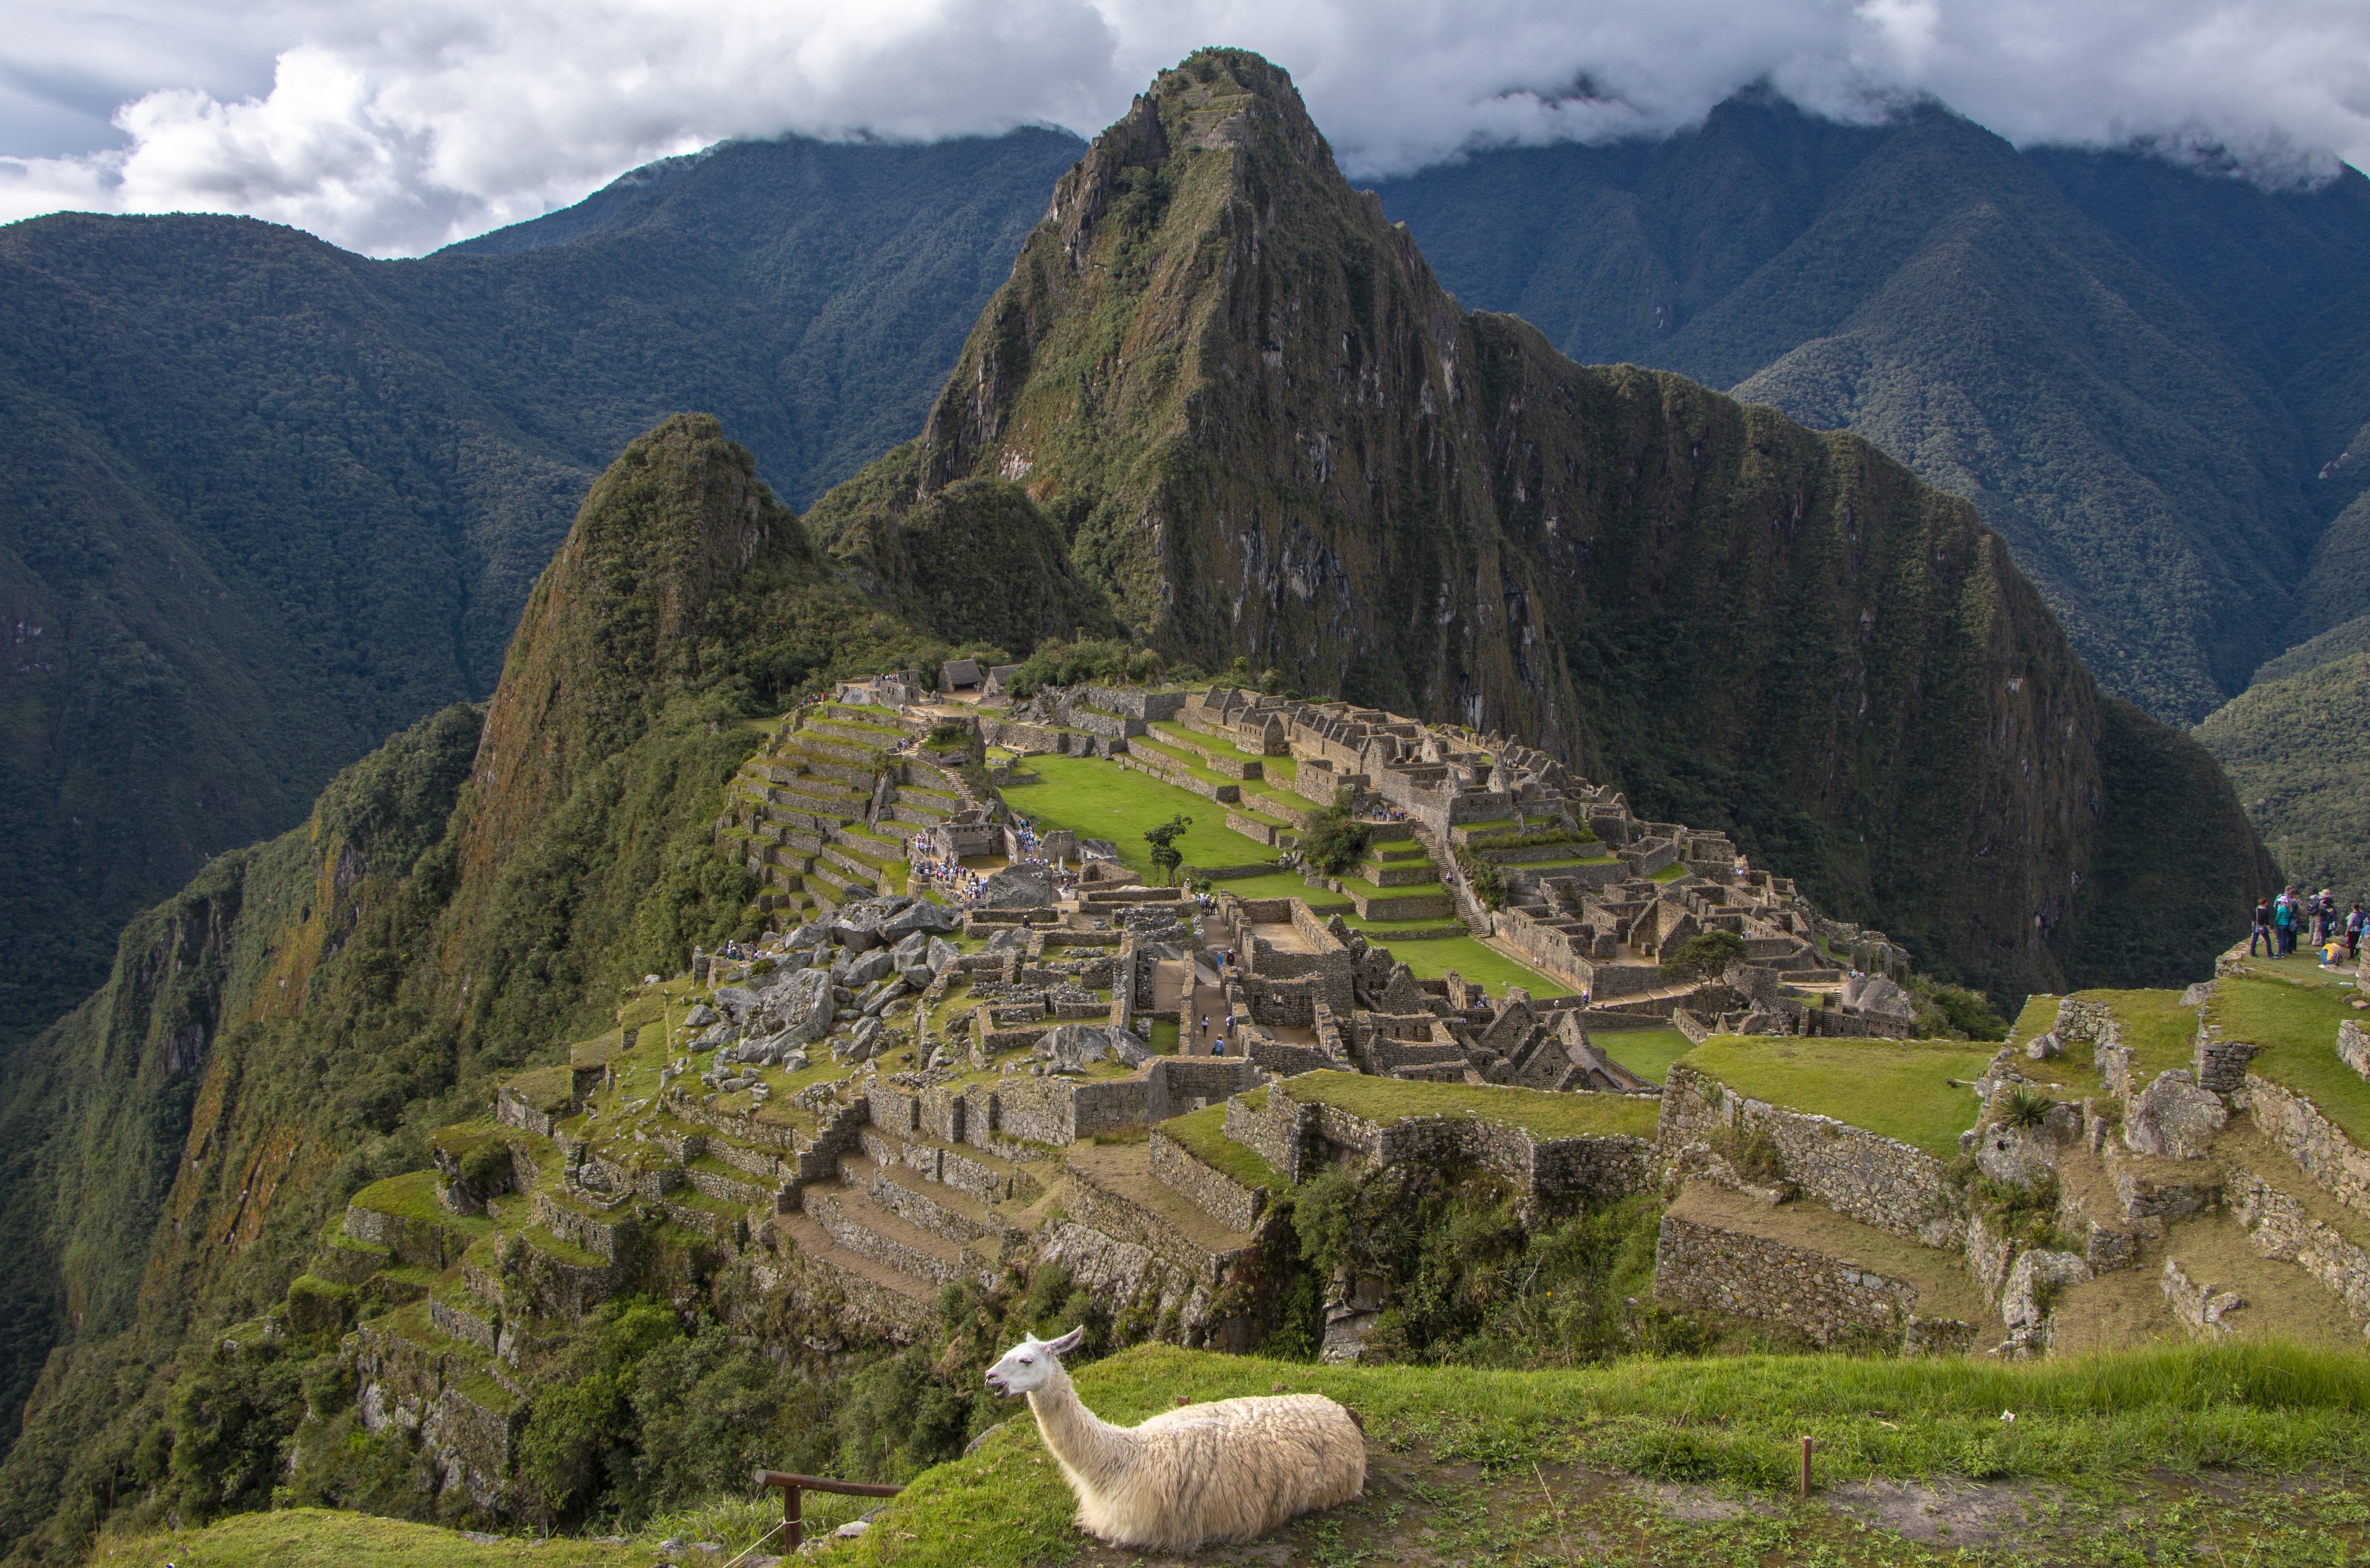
(1264, 428)
(1221, 406)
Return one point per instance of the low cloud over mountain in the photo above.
(394, 128)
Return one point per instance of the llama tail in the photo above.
(1356, 1420)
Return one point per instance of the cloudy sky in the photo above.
(394, 126)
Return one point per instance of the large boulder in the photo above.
(1877, 997)
(699, 1017)
(1073, 1047)
(1010, 937)
(803, 1003)
(942, 953)
(912, 948)
(736, 1002)
(867, 967)
(2034, 1281)
(922, 918)
(1016, 888)
(2174, 1118)
(856, 927)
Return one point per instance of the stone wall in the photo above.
(1753, 1276)
(2354, 1047)
(1875, 1180)
(2283, 1230)
(2299, 1130)
(1219, 1195)
(1553, 1174)
(2221, 1062)
(1275, 1130)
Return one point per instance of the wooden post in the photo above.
(1806, 1464)
(793, 1516)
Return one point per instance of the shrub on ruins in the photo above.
(1481, 875)
(1470, 1278)
(1069, 664)
(1957, 1011)
(1703, 955)
(1336, 841)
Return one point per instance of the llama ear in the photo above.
(1068, 1342)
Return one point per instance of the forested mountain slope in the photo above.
(2138, 371)
(292, 1024)
(270, 502)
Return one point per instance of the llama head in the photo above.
(1031, 1363)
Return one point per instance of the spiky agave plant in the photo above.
(2025, 1109)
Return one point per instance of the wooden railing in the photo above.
(793, 1525)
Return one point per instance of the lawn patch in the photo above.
(2295, 1029)
(1894, 1088)
(1387, 1101)
(1202, 1133)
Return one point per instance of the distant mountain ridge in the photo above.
(2137, 371)
(271, 502)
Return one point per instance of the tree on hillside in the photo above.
(1337, 840)
(1163, 839)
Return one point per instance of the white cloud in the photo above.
(393, 126)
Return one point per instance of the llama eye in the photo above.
(1029, 1361)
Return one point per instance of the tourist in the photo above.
(2354, 925)
(2283, 922)
(2263, 931)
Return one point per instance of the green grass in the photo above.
(1671, 873)
(300, 1538)
(2160, 1032)
(1164, 1038)
(413, 1196)
(1179, 736)
(1544, 1114)
(1892, 1087)
(1202, 1133)
(1731, 1421)
(1097, 800)
(1649, 1053)
(2296, 1027)
(1469, 956)
(1281, 885)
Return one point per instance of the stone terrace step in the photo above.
(2212, 1253)
(844, 1208)
(1113, 1189)
(958, 1165)
(940, 1209)
(902, 1303)
(1804, 1264)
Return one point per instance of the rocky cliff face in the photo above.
(1265, 430)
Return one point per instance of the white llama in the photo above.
(1227, 1470)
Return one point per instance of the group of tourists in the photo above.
(2282, 922)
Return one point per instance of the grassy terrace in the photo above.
(1474, 959)
(1203, 1133)
(413, 1196)
(2294, 1026)
(1177, 735)
(1892, 1087)
(1097, 800)
(1649, 1053)
(1187, 762)
(1390, 1100)
(1453, 1477)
